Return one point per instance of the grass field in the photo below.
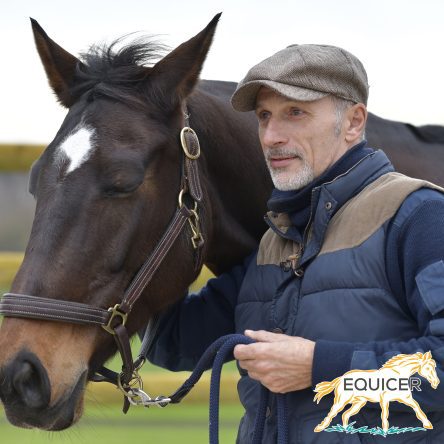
(18, 157)
(9, 264)
(106, 424)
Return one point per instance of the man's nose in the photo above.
(273, 135)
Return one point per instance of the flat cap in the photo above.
(305, 72)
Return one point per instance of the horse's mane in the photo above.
(403, 360)
(118, 74)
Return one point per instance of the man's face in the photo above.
(300, 140)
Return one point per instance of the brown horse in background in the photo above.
(106, 188)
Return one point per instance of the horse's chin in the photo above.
(61, 415)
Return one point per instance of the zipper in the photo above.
(299, 272)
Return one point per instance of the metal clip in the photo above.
(197, 238)
(139, 397)
(114, 313)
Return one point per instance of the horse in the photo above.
(107, 187)
(390, 383)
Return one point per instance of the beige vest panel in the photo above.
(354, 222)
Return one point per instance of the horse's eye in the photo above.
(120, 189)
(123, 181)
(122, 176)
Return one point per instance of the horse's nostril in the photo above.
(23, 375)
(27, 384)
(28, 381)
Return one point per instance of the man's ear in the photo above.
(178, 72)
(356, 118)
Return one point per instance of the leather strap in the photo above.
(191, 166)
(124, 347)
(148, 339)
(24, 306)
(149, 268)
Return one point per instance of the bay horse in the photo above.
(107, 187)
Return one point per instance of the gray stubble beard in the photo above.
(295, 182)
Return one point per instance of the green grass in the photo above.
(182, 423)
(15, 157)
(9, 264)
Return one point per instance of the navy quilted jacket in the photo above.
(368, 283)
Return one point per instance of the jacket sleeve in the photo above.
(189, 327)
(415, 268)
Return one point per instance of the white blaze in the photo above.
(77, 147)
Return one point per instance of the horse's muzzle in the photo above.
(25, 391)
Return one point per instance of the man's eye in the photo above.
(263, 115)
(296, 112)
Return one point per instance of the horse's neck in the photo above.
(234, 178)
(406, 370)
(412, 368)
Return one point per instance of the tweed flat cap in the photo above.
(305, 72)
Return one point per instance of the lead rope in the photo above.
(227, 345)
(215, 356)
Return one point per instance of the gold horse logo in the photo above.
(390, 383)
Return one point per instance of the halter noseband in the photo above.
(113, 319)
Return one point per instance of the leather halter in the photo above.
(113, 319)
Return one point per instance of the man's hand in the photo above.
(280, 362)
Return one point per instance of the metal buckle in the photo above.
(181, 203)
(135, 383)
(115, 312)
(187, 129)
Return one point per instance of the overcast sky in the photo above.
(399, 42)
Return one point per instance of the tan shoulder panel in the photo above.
(361, 216)
(274, 249)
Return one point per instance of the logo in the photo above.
(394, 381)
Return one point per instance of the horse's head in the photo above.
(105, 189)
(427, 369)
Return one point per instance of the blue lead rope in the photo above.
(216, 355)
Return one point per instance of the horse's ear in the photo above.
(60, 65)
(178, 72)
(427, 355)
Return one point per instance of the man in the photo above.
(348, 274)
